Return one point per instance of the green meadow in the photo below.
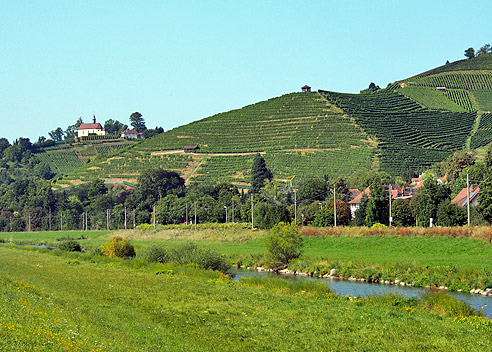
(54, 301)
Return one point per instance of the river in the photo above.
(364, 289)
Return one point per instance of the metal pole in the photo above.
(125, 219)
(295, 207)
(195, 215)
(335, 206)
(390, 215)
(154, 215)
(252, 213)
(468, 195)
(225, 207)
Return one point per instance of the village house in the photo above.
(306, 88)
(397, 192)
(94, 128)
(131, 134)
(461, 198)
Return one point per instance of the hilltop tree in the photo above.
(259, 173)
(137, 122)
(114, 127)
(470, 53)
(71, 130)
(57, 134)
(483, 50)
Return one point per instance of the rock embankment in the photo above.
(333, 275)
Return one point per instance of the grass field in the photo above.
(54, 303)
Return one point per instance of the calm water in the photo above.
(363, 289)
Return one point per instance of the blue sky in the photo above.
(180, 61)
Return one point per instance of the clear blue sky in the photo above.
(180, 61)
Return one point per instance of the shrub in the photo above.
(283, 244)
(70, 246)
(157, 254)
(118, 247)
(191, 253)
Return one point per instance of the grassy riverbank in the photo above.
(458, 258)
(51, 302)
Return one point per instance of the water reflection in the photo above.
(364, 289)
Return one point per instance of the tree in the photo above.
(137, 122)
(71, 130)
(283, 244)
(114, 127)
(152, 132)
(427, 200)
(488, 156)
(378, 206)
(324, 216)
(312, 189)
(57, 134)
(470, 53)
(485, 199)
(483, 50)
(455, 163)
(259, 173)
(373, 87)
(450, 214)
(153, 185)
(360, 213)
(402, 212)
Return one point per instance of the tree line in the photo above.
(28, 202)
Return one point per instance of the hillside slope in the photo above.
(409, 125)
(298, 134)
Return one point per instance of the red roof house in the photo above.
(461, 198)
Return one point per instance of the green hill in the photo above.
(409, 125)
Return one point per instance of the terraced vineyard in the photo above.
(282, 128)
(61, 161)
(455, 80)
(410, 124)
(483, 135)
(410, 134)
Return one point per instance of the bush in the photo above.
(118, 247)
(70, 246)
(157, 254)
(191, 253)
(283, 244)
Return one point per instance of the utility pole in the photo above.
(107, 219)
(153, 213)
(335, 205)
(233, 210)
(390, 215)
(225, 207)
(295, 207)
(134, 223)
(125, 219)
(195, 215)
(29, 227)
(49, 225)
(468, 196)
(186, 213)
(252, 213)
(61, 221)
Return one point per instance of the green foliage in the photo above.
(283, 244)
(447, 305)
(259, 173)
(402, 213)
(377, 210)
(70, 246)
(455, 163)
(118, 247)
(191, 253)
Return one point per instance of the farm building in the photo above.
(131, 134)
